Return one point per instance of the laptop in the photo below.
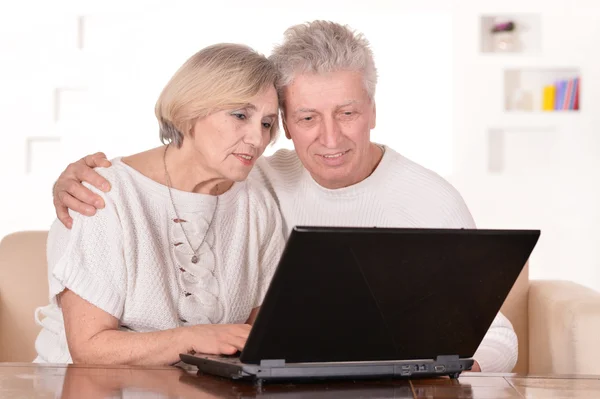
(377, 302)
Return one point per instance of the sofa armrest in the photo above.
(564, 328)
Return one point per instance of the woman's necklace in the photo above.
(195, 257)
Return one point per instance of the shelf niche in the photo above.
(542, 89)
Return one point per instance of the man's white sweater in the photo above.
(399, 193)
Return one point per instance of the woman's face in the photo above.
(229, 142)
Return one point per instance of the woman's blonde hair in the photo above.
(220, 76)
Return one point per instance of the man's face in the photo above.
(329, 118)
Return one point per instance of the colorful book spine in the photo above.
(576, 96)
(568, 94)
(548, 98)
(563, 95)
(560, 91)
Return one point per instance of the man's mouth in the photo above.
(335, 155)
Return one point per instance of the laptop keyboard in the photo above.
(232, 359)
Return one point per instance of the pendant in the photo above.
(194, 259)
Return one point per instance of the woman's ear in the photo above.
(191, 129)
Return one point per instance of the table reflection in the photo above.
(75, 381)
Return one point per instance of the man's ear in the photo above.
(285, 128)
(374, 116)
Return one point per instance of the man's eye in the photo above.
(266, 125)
(308, 118)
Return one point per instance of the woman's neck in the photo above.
(187, 172)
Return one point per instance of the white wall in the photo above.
(552, 161)
(79, 81)
(437, 99)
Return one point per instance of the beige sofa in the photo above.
(557, 322)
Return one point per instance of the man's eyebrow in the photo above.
(349, 102)
(302, 109)
(298, 110)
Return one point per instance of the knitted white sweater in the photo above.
(133, 261)
(399, 193)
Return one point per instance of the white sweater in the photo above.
(132, 260)
(399, 193)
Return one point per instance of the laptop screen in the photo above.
(369, 294)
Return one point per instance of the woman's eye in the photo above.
(240, 116)
(266, 125)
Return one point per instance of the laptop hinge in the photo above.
(272, 363)
(447, 358)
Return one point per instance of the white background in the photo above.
(80, 77)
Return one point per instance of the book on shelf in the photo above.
(549, 98)
(563, 95)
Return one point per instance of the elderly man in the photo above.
(336, 176)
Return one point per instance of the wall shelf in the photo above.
(543, 90)
(510, 33)
(515, 151)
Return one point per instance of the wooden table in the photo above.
(26, 380)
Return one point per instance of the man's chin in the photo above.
(332, 178)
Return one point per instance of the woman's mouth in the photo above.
(245, 159)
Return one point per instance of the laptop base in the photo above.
(278, 370)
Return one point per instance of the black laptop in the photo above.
(378, 302)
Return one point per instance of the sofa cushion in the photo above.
(23, 287)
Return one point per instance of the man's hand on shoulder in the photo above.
(69, 192)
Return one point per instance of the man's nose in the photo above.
(330, 133)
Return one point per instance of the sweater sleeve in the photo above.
(498, 351)
(88, 259)
(271, 245)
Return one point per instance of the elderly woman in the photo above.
(180, 258)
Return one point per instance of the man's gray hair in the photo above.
(320, 47)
